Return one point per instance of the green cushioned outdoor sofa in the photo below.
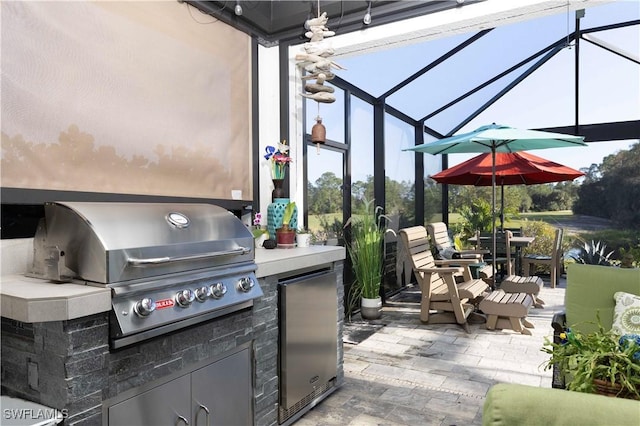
(510, 404)
(590, 289)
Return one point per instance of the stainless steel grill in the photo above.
(168, 265)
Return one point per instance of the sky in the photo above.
(609, 85)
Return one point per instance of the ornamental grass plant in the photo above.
(366, 251)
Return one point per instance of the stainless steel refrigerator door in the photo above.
(308, 335)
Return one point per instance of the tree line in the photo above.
(609, 190)
(325, 196)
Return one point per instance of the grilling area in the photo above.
(135, 313)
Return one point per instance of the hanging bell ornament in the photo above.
(318, 133)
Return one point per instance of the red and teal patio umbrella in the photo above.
(512, 168)
(495, 138)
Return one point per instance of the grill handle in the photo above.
(161, 260)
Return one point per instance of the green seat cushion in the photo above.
(510, 404)
(590, 289)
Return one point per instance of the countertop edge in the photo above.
(33, 300)
(279, 261)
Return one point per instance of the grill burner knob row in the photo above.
(218, 290)
(245, 284)
(185, 297)
(203, 293)
(144, 307)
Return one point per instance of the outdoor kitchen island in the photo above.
(55, 346)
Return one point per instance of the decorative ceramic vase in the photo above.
(370, 308)
(275, 212)
(278, 190)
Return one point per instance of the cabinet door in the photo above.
(225, 389)
(161, 405)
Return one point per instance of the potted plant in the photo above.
(303, 237)
(366, 251)
(598, 362)
(286, 235)
(260, 234)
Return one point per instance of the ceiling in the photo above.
(281, 22)
(276, 22)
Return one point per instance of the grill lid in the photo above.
(114, 242)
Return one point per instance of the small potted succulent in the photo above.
(303, 237)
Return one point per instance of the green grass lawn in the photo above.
(314, 220)
(550, 217)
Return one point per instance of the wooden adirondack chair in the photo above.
(440, 240)
(443, 300)
(439, 235)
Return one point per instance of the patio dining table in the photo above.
(518, 242)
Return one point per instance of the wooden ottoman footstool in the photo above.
(507, 311)
(530, 285)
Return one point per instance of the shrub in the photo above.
(620, 241)
(544, 234)
(476, 217)
(593, 253)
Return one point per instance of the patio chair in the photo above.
(446, 301)
(442, 242)
(504, 250)
(443, 300)
(509, 282)
(553, 261)
(440, 239)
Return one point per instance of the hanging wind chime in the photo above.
(315, 61)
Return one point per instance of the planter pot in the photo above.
(275, 213)
(332, 242)
(261, 239)
(603, 387)
(285, 237)
(370, 308)
(303, 240)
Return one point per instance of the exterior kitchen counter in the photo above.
(33, 300)
(277, 261)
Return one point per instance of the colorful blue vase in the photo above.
(275, 212)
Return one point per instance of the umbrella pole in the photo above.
(493, 214)
(502, 205)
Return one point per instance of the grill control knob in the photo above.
(245, 284)
(144, 307)
(218, 290)
(185, 297)
(202, 293)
